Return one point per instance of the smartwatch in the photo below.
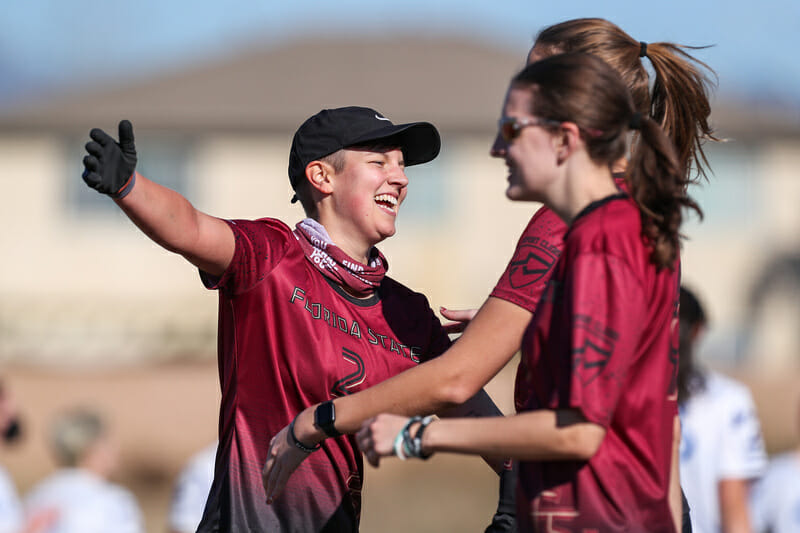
(324, 417)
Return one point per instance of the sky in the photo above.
(49, 45)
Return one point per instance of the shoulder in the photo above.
(260, 225)
(617, 215)
(726, 389)
(392, 289)
(545, 223)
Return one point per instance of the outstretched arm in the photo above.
(453, 378)
(162, 214)
(541, 435)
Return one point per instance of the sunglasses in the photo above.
(511, 127)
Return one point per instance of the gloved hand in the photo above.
(505, 518)
(110, 165)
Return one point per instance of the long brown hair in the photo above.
(679, 101)
(583, 89)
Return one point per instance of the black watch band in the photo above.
(324, 418)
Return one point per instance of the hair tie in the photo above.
(642, 49)
(635, 122)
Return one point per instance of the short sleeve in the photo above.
(259, 247)
(604, 297)
(525, 278)
(742, 454)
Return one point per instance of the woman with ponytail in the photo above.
(679, 104)
(595, 390)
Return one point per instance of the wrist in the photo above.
(304, 427)
(325, 419)
(126, 188)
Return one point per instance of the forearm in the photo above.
(171, 221)
(480, 405)
(675, 496)
(733, 505)
(543, 435)
(488, 343)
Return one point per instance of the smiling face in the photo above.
(528, 150)
(366, 194)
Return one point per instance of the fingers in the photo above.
(90, 175)
(94, 148)
(454, 327)
(271, 474)
(366, 443)
(460, 315)
(125, 129)
(101, 137)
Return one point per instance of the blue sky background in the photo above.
(47, 45)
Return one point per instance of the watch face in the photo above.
(324, 416)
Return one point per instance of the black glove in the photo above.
(504, 519)
(110, 165)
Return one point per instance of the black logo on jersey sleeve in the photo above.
(532, 262)
(595, 346)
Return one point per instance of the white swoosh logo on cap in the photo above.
(382, 118)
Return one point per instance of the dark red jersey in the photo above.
(601, 342)
(538, 248)
(289, 338)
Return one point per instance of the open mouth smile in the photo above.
(387, 202)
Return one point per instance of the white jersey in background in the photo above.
(10, 507)
(720, 439)
(191, 491)
(776, 497)
(81, 502)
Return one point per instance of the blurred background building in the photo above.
(92, 310)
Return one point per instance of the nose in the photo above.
(498, 148)
(398, 176)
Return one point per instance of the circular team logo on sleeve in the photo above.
(532, 262)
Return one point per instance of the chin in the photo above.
(515, 193)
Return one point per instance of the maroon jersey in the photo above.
(601, 341)
(289, 338)
(538, 248)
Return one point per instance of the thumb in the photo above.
(126, 136)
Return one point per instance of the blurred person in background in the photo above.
(722, 451)
(78, 497)
(191, 491)
(10, 507)
(775, 500)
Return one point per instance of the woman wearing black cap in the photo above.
(305, 315)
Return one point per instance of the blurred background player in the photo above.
(722, 451)
(191, 491)
(10, 507)
(775, 501)
(78, 497)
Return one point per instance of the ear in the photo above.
(318, 174)
(566, 141)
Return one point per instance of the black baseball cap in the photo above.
(331, 130)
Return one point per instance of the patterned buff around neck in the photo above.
(335, 264)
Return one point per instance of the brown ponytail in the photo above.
(658, 184)
(586, 91)
(679, 101)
